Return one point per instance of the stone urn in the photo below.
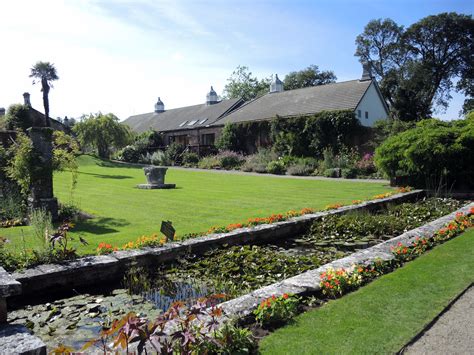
(155, 177)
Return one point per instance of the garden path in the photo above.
(239, 172)
(452, 333)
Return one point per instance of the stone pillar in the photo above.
(41, 189)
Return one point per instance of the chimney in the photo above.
(26, 98)
(276, 85)
(159, 106)
(211, 97)
(366, 72)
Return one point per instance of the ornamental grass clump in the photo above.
(275, 311)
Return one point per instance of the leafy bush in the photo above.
(332, 173)
(190, 159)
(229, 159)
(68, 212)
(276, 167)
(349, 173)
(174, 153)
(18, 118)
(259, 162)
(366, 165)
(301, 166)
(129, 154)
(433, 153)
(159, 158)
(275, 311)
(209, 162)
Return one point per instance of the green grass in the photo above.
(384, 315)
(201, 200)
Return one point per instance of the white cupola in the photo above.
(211, 97)
(159, 106)
(276, 85)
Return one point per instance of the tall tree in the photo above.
(242, 84)
(45, 73)
(311, 76)
(417, 67)
(102, 132)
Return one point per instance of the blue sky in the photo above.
(119, 56)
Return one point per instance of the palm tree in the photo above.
(44, 72)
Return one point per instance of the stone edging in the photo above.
(308, 282)
(101, 269)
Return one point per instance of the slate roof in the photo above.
(337, 96)
(172, 120)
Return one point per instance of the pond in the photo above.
(231, 270)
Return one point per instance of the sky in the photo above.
(118, 56)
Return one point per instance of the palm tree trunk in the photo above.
(45, 90)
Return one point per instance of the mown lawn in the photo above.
(201, 200)
(383, 316)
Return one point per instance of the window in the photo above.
(359, 114)
(193, 122)
(183, 123)
(366, 115)
(202, 121)
(208, 139)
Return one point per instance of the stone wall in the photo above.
(97, 270)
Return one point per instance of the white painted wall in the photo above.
(372, 104)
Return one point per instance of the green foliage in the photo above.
(18, 118)
(416, 66)
(310, 76)
(241, 85)
(190, 159)
(310, 135)
(275, 311)
(42, 225)
(209, 162)
(301, 166)
(258, 162)
(23, 164)
(174, 153)
(242, 137)
(102, 132)
(365, 227)
(276, 167)
(65, 150)
(432, 153)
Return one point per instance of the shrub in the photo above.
(302, 166)
(337, 282)
(190, 159)
(276, 167)
(432, 154)
(229, 159)
(209, 162)
(276, 310)
(174, 153)
(159, 158)
(129, 154)
(333, 173)
(349, 173)
(366, 165)
(259, 162)
(68, 212)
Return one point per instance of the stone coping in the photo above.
(17, 339)
(308, 282)
(96, 270)
(8, 285)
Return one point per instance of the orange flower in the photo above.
(285, 296)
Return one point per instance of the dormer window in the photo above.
(193, 122)
(202, 121)
(183, 123)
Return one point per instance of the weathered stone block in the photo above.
(16, 339)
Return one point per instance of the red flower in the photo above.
(285, 296)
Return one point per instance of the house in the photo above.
(190, 126)
(201, 124)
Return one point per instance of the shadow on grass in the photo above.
(104, 176)
(100, 225)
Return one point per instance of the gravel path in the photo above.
(239, 172)
(452, 333)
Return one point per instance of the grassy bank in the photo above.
(384, 315)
